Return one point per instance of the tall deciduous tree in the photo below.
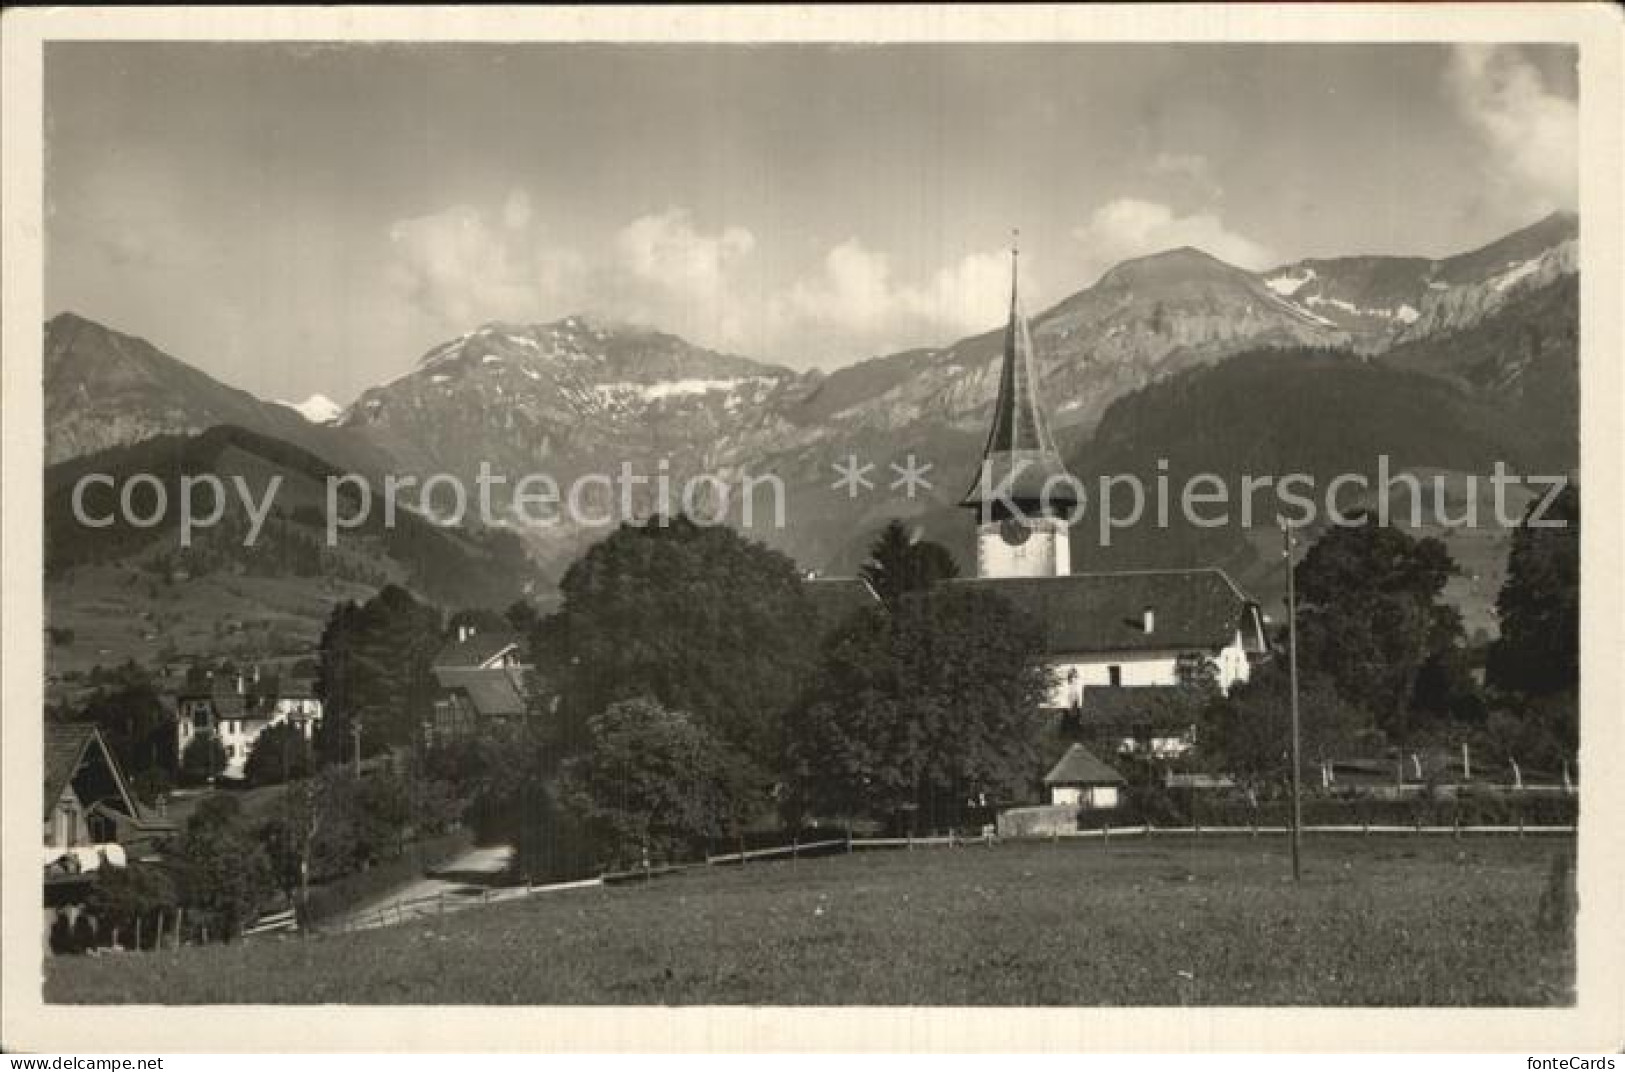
(374, 669)
(1538, 652)
(1370, 617)
(900, 563)
(916, 713)
(224, 871)
(1248, 734)
(658, 779)
(695, 617)
(279, 754)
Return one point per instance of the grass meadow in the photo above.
(1210, 921)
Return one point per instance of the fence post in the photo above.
(911, 841)
(138, 932)
(1105, 837)
(795, 849)
(1457, 823)
(180, 916)
(849, 839)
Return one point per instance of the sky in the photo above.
(297, 218)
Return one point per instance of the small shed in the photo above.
(1082, 780)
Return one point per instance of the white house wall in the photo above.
(1078, 671)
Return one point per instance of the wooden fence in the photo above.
(439, 904)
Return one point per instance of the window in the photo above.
(1114, 675)
(200, 717)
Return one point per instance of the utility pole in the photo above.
(1287, 544)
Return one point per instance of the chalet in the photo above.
(482, 679)
(92, 820)
(1080, 779)
(237, 709)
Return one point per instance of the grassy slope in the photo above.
(1162, 923)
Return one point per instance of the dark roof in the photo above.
(222, 690)
(1079, 767)
(1130, 706)
(834, 599)
(66, 746)
(1193, 610)
(475, 651)
(65, 743)
(1018, 440)
(495, 693)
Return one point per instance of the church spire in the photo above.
(1019, 438)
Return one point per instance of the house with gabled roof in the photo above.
(482, 679)
(92, 819)
(237, 708)
(1080, 778)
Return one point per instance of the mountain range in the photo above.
(1460, 359)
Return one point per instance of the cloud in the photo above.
(461, 268)
(467, 265)
(1130, 227)
(851, 305)
(669, 273)
(1534, 133)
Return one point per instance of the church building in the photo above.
(1117, 640)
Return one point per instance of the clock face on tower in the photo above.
(1014, 532)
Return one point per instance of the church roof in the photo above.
(1080, 767)
(1019, 443)
(1192, 610)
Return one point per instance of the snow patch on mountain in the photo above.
(317, 409)
(1288, 284)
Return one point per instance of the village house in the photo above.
(92, 821)
(236, 709)
(482, 679)
(1080, 779)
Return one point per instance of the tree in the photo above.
(697, 618)
(312, 837)
(204, 757)
(1538, 652)
(656, 779)
(224, 872)
(1248, 734)
(900, 562)
(1370, 617)
(921, 711)
(279, 754)
(123, 895)
(374, 665)
(126, 707)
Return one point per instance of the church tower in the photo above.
(1023, 496)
